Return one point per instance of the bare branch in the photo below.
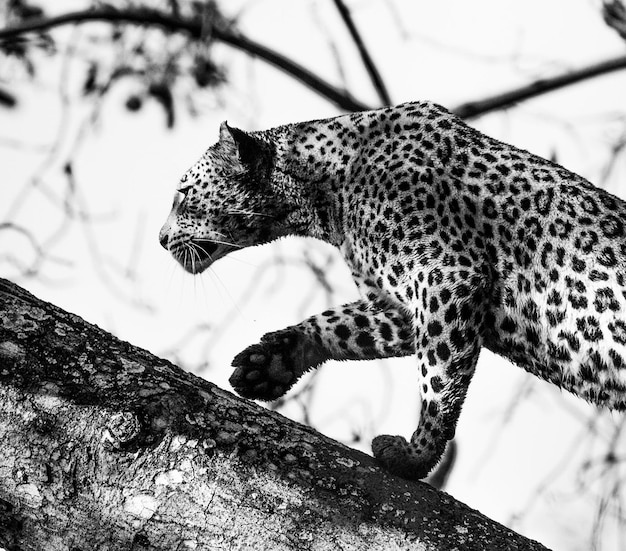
(375, 77)
(508, 99)
(197, 29)
(341, 98)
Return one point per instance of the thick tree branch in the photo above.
(373, 72)
(196, 29)
(541, 86)
(103, 445)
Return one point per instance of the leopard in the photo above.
(456, 241)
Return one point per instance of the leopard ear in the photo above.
(226, 137)
(250, 150)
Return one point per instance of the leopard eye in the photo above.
(184, 190)
(181, 194)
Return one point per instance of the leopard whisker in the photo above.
(222, 234)
(184, 255)
(243, 212)
(195, 250)
(218, 242)
(192, 257)
(196, 256)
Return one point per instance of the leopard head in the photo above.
(226, 201)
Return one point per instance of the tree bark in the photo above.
(105, 446)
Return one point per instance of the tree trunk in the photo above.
(105, 446)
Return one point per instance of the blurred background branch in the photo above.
(372, 71)
(205, 29)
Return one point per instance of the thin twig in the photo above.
(375, 77)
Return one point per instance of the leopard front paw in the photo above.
(399, 457)
(265, 371)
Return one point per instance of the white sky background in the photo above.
(127, 167)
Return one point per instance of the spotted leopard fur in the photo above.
(456, 241)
